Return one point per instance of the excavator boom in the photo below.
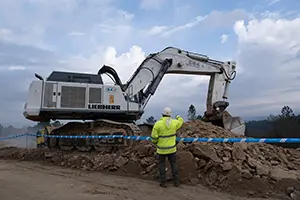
(144, 82)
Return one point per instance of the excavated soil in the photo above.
(245, 169)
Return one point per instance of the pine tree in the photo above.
(287, 112)
(151, 120)
(191, 112)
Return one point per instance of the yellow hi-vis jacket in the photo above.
(40, 139)
(164, 134)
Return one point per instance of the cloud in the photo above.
(10, 36)
(269, 54)
(224, 38)
(5, 33)
(125, 63)
(74, 33)
(13, 68)
(55, 20)
(214, 19)
(27, 56)
(271, 2)
(168, 30)
(157, 30)
(152, 4)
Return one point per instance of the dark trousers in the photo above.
(162, 167)
(42, 145)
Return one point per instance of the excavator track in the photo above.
(98, 127)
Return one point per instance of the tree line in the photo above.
(284, 125)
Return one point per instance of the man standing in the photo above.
(164, 137)
(40, 139)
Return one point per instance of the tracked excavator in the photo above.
(114, 108)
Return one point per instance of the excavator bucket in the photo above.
(233, 124)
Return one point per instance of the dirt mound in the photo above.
(241, 168)
(197, 128)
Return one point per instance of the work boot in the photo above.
(176, 183)
(163, 185)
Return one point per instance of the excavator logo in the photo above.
(104, 107)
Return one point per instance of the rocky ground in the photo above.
(245, 169)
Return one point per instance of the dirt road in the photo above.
(34, 181)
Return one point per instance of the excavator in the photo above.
(113, 109)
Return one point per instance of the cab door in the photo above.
(50, 95)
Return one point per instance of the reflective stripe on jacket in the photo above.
(164, 134)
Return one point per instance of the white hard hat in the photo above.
(167, 111)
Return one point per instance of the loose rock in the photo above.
(238, 153)
(226, 166)
(246, 174)
(207, 152)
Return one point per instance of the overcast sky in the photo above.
(263, 36)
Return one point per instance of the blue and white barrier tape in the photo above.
(12, 136)
(188, 140)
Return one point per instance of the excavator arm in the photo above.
(144, 82)
(175, 61)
